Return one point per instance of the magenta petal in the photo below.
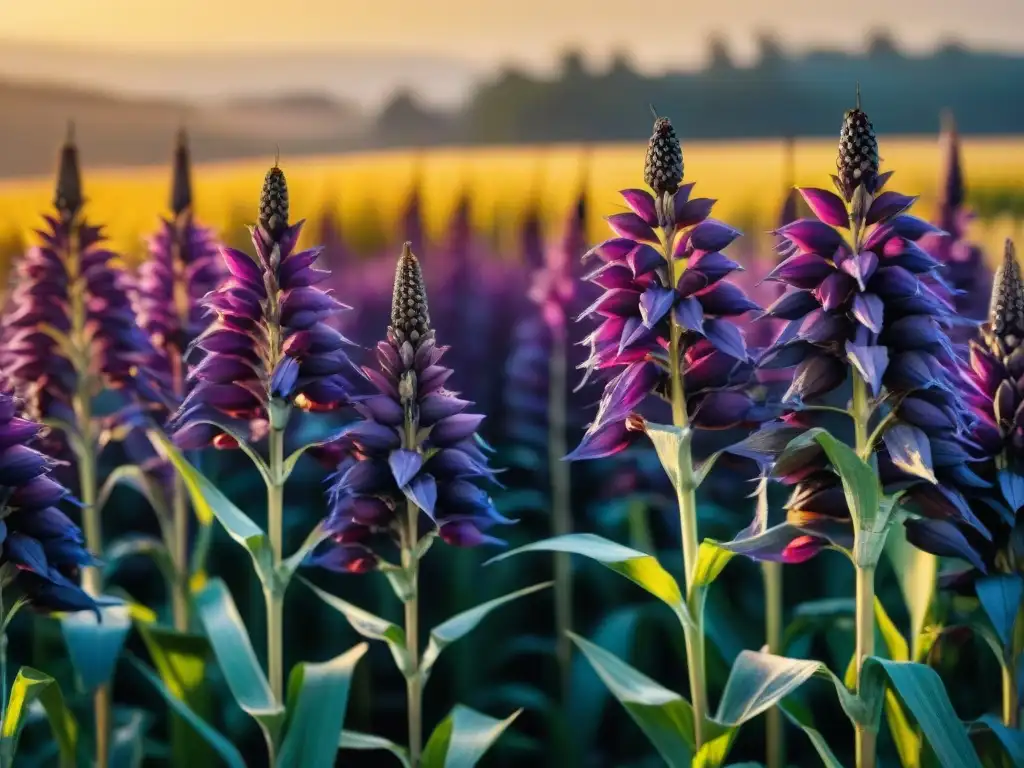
(869, 310)
(242, 266)
(870, 363)
(835, 290)
(644, 259)
(626, 391)
(887, 205)
(690, 212)
(631, 226)
(811, 236)
(828, 207)
(642, 204)
(606, 440)
(804, 270)
(615, 249)
(655, 303)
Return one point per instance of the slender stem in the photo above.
(561, 502)
(693, 631)
(866, 746)
(776, 742)
(179, 523)
(413, 680)
(1011, 696)
(3, 667)
(275, 595)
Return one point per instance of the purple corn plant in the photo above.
(408, 473)
(967, 278)
(860, 308)
(183, 267)
(268, 350)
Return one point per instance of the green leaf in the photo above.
(370, 742)
(224, 748)
(702, 469)
(317, 700)
(244, 444)
(127, 748)
(640, 568)
(672, 445)
(237, 659)
(664, 716)
(32, 685)
(462, 738)
(135, 545)
(1000, 596)
(860, 485)
(135, 477)
(367, 742)
(802, 720)
(293, 458)
(368, 625)
(921, 691)
(904, 735)
(758, 681)
(1011, 739)
(459, 626)
(181, 660)
(286, 570)
(916, 571)
(93, 645)
(711, 559)
(208, 503)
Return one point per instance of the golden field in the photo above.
(748, 178)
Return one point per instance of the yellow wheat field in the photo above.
(748, 178)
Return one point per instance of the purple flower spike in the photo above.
(865, 306)
(269, 340)
(44, 547)
(415, 445)
(72, 328)
(639, 305)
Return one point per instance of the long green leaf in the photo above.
(459, 626)
(1000, 596)
(208, 503)
(1011, 739)
(127, 749)
(244, 445)
(94, 645)
(711, 559)
(32, 685)
(293, 458)
(368, 625)
(921, 691)
(224, 748)
(291, 564)
(860, 485)
(368, 742)
(317, 700)
(664, 716)
(916, 571)
(142, 482)
(134, 545)
(462, 738)
(802, 720)
(672, 445)
(640, 568)
(237, 659)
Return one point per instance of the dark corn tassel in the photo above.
(663, 167)
(1006, 312)
(181, 181)
(858, 152)
(68, 198)
(409, 314)
(274, 203)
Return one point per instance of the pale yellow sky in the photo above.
(656, 31)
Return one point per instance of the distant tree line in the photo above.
(780, 94)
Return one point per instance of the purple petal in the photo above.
(827, 206)
(242, 266)
(631, 226)
(644, 259)
(869, 310)
(812, 236)
(384, 409)
(861, 267)
(793, 305)
(440, 405)
(605, 440)
(712, 235)
(942, 538)
(870, 363)
(423, 493)
(655, 303)
(689, 314)
(803, 270)
(714, 265)
(722, 409)
(455, 428)
(615, 249)
(374, 436)
(887, 205)
(835, 290)
(284, 378)
(910, 450)
(690, 212)
(725, 300)
(814, 376)
(642, 204)
(404, 465)
(911, 227)
(626, 391)
(725, 337)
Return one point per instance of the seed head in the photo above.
(181, 180)
(1006, 310)
(409, 314)
(274, 203)
(663, 167)
(858, 152)
(952, 186)
(68, 196)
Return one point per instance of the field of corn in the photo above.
(723, 469)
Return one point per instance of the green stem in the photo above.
(776, 743)
(3, 669)
(275, 594)
(686, 494)
(561, 503)
(1011, 696)
(413, 679)
(865, 597)
(179, 555)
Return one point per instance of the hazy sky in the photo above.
(657, 32)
